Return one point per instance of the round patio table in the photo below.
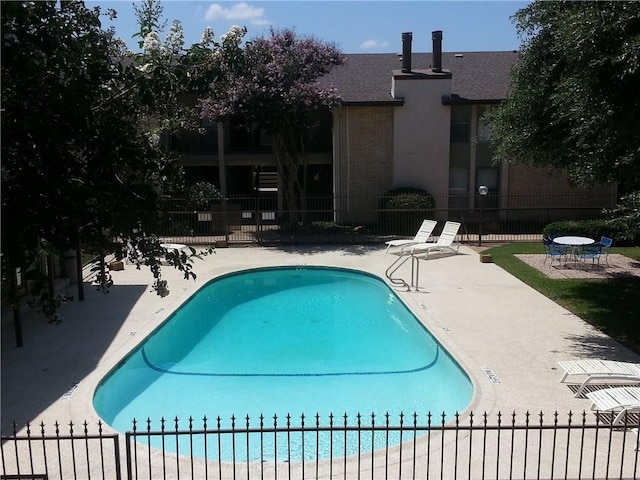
(573, 240)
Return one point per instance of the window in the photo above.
(460, 123)
(484, 129)
(460, 150)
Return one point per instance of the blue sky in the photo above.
(355, 26)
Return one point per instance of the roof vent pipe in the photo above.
(406, 52)
(436, 36)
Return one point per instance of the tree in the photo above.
(272, 83)
(82, 119)
(149, 15)
(574, 102)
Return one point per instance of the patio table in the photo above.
(574, 241)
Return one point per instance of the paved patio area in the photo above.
(615, 266)
(508, 337)
(489, 320)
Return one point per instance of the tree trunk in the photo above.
(288, 150)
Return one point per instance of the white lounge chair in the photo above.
(446, 242)
(603, 371)
(422, 236)
(623, 400)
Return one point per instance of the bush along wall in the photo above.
(587, 228)
(402, 210)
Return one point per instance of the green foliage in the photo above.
(44, 299)
(150, 19)
(622, 224)
(583, 228)
(403, 209)
(82, 161)
(102, 278)
(200, 195)
(271, 81)
(574, 100)
(625, 218)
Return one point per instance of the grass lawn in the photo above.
(612, 306)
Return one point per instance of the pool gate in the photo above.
(406, 447)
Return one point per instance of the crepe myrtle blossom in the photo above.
(273, 81)
(280, 74)
(234, 36)
(175, 37)
(151, 44)
(206, 39)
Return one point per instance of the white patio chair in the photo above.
(446, 242)
(422, 235)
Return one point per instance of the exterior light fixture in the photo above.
(482, 191)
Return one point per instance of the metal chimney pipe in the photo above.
(436, 36)
(406, 52)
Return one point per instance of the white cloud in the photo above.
(238, 11)
(370, 44)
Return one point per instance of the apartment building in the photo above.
(405, 119)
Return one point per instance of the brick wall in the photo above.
(366, 157)
(550, 196)
(553, 188)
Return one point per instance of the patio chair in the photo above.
(620, 401)
(600, 371)
(555, 251)
(591, 252)
(423, 234)
(606, 243)
(446, 242)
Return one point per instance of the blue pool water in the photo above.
(280, 341)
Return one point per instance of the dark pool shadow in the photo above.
(347, 249)
(312, 249)
(53, 357)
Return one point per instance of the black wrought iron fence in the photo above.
(64, 453)
(256, 219)
(361, 447)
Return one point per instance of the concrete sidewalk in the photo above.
(498, 328)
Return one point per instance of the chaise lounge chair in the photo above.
(600, 371)
(422, 236)
(446, 242)
(624, 400)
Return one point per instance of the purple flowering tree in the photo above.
(273, 82)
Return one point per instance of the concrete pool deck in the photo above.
(498, 328)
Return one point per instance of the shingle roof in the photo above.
(476, 76)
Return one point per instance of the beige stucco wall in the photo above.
(422, 126)
(382, 147)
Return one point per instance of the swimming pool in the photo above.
(285, 340)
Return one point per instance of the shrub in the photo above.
(402, 210)
(200, 194)
(626, 218)
(586, 228)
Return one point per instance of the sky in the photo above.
(354, 26)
